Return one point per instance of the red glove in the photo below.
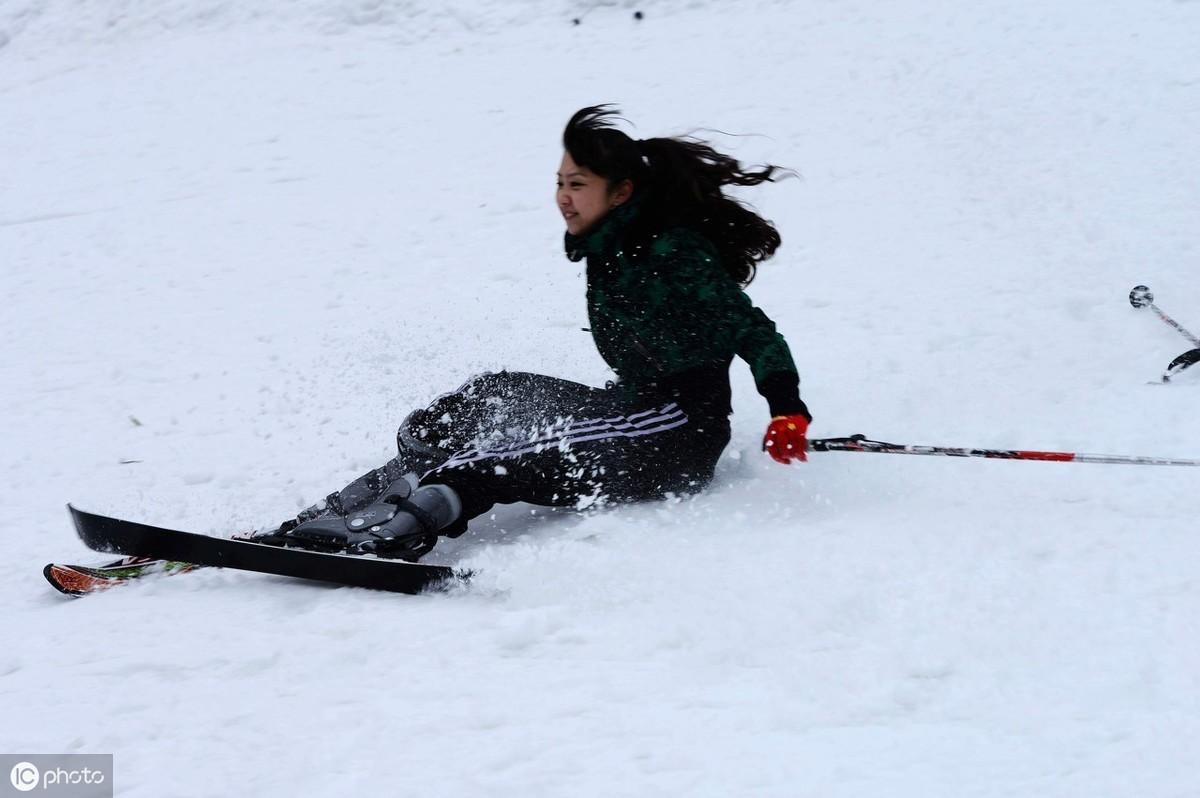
(787, 439)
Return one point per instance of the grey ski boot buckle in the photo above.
(372, 517)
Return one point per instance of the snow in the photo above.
(240, 241)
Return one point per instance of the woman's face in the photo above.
(584, 197)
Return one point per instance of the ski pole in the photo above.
(1140, 297)
(860, 443)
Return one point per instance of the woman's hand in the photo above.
(787, 439)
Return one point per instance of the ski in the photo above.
(132, 539)
(80, 580)
(1179, 364)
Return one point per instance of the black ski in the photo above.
(101, 533)
(1179, 364)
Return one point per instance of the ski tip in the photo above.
(79, 521)
(54, 575)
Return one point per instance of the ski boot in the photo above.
(402, 523)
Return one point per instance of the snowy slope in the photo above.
(239, 241)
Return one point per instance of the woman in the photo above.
(667, 257)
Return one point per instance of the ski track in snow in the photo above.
(239, 242)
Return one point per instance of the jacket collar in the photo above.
(605, 235)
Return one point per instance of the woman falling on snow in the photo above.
(668, 255)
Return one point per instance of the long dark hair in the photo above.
(680, 181)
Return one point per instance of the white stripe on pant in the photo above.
(665, 418)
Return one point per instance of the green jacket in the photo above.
(668, 318)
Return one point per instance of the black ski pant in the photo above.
(519, 437)
(510, 436)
